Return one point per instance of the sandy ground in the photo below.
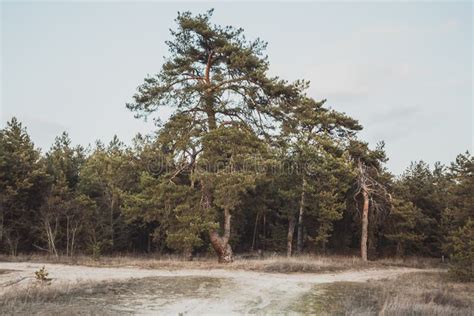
(242, 292)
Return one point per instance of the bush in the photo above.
(42, 275)
(462, 244)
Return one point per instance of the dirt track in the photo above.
(238, 292)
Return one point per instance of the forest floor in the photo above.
(76, 289)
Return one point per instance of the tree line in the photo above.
(245, 162)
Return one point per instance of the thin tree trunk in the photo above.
(399, 250)
(291, 231)
(1, 222)
(300, 217)
(264, 231)
(365, 225)
(73, 239)
(149, 243)
(51, 236)
(112, 204)
(12, 244)
(48, 236)
(67, 236)
(255, 232)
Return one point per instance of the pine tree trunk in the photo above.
(221, 244)
(291, 231)
(365, 225)
(222, 248)
(300, 217)
(210, 111)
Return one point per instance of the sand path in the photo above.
(243, 292)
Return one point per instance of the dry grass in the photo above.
(413, 262)
(309, 264)
(103, 298)
(422, 294)
(274, 264)
(43, 299)
(410, 294)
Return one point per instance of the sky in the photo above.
(404, 70)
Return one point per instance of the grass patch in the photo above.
(273, 264)
(302, 264)
(410, 294)
(414, 262)
(104, 298)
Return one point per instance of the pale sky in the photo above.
(404, 70)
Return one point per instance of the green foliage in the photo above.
(462, 258)
(22, 183)
(459, 188)
(105, 177)
(426, 190)
(313, 141)
(401, 226)
(213, 73)
(458, 225)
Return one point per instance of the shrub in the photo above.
(42, 275)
